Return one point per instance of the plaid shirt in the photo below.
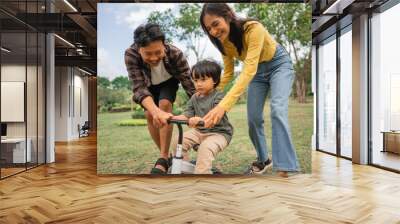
(140, 73)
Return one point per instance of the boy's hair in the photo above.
(207, 68)
(147, 33)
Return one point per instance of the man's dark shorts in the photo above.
(165, 90)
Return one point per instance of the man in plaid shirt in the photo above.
(156, 68)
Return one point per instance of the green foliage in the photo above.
(290, 25)
(112, 94)
(185, 26)
(121, 108)
(177, 110)
(121, 96)
(188, 20)
(181, 98)
(121, 82)
(133, 122)
(287, 22)
(138, 115)
(166, 20)
(103, 82)
(190, 28)
(138, 112)
(108, 98)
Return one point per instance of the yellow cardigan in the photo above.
(258, 46)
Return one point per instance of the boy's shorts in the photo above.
(165, 90)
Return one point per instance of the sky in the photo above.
(115, 25)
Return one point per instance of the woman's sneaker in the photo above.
(258, 167)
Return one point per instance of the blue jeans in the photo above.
(275, 75)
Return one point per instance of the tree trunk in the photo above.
(301, 81)
(301, 89)
(297, 73)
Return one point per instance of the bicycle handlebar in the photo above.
(174, 121)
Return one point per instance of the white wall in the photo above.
(62, 81)
(71, 94)
(13, 72)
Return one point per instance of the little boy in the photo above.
(206, 77)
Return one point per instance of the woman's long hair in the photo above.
(236, 29)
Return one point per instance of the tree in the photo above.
(108, 98)
(166, 20)
(191, 31)
(290, 24)
(185, 27)
(114, 93)
(103, 82)
(121, 82)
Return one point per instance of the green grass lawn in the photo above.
(130, 150)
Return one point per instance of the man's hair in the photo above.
(147, 33)
(207, 68)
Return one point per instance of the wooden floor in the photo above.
(10, 171)
(388, 159)
(69, 191)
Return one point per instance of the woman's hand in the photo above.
(193, 121)
(213, 117)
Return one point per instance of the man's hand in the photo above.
(213, 117)
(180, 117)
(193, 121)
(160, 118)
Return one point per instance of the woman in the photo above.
(266, 66)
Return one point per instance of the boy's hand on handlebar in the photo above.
(193, 121)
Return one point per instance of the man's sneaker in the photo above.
(258, 167)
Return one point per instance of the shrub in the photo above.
(177, 110)
(133, 122)
(108, 98)
(138, 114)
(181, 97)
(122, 108)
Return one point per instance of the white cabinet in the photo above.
(18, 149)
